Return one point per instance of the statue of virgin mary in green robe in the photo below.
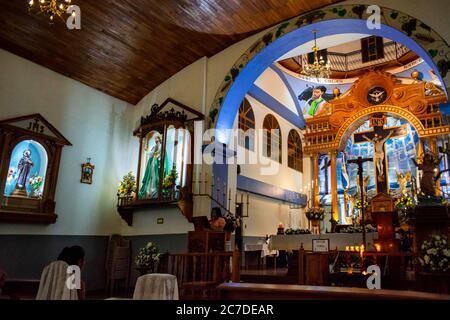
(150, 181)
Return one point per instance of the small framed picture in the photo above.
(87, 171)
(321, 245)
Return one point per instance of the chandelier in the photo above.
(51, 8)
(319, 68)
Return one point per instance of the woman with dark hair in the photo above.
(217, 222)
(74, 256)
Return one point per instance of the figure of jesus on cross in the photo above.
(378, 137)
(378, 151)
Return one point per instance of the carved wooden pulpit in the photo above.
(203, 239)
(383, 215)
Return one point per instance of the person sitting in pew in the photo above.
(55, 278)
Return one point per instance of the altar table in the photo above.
(339, 240)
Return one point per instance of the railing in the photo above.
(124, 200)
(345, 62)
(199, 274)
(215, 191)
(166, 196)
(347, 268)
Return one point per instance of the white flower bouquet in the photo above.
(147, 255)
(434, 254)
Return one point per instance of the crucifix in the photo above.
(378, 137)
(325, 166)
(360, 162)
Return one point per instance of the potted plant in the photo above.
(147, 257)
(127, 187)
(405, 206)
(168, 185)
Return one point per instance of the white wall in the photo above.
(93, 122)
(270, 82)
(286, 178)
(264, 215)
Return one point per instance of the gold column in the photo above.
(315, 180)
(432, 142)
(334, 193)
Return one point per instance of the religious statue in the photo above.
(24, 168)
(403, 180)
(150, 182)
(378, 152)
(350, 201)
(429, 167)
(365, 184)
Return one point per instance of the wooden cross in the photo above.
(360, 162)
(327, 163)
(380, 134)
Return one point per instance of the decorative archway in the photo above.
(357, 119)
(395, 25)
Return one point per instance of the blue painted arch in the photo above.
(291, 40)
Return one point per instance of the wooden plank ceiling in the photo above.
(126, 48)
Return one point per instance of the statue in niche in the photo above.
(429, 168)
(24, 168)
(150, 181)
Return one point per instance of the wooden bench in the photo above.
(257, 291)
(20, 289)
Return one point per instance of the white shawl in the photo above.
(53, 283)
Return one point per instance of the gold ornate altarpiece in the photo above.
(417, 103)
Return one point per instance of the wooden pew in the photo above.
(20, 289)
(257, 291)
(199, 274)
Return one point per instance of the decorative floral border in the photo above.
(434, 45)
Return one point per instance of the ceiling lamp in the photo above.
(51, 8)
(319, 68)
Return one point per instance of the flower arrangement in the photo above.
(358, 205)
(297, 231)
(169, 180)
(404, 205)
(315, 213)
(128, 185)
(36, 182)
(434, 254)
(358, 229)
(147, 255)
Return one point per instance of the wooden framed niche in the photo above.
(164, 168)
(30, 155)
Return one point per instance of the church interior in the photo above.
(224, 150)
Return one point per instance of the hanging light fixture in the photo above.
(319, 68)
(51, 8)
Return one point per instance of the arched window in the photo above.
(247, 125)
(295, 155)
(272, 138)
